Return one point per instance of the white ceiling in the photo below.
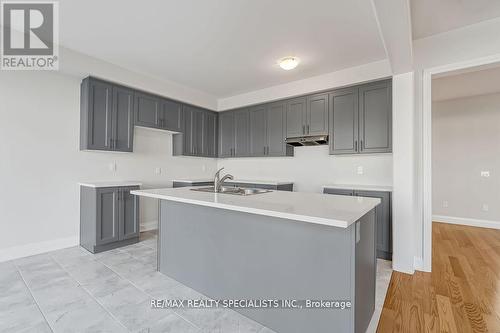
(465, 83)
(223, 47)
(430, 17)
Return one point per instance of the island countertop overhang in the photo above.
(316, 208)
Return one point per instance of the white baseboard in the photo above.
(16, 252)
(466, 221)
(150, 225)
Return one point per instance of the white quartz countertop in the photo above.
(243, 181)
(110, 184)
(332, 210)
(360, 187)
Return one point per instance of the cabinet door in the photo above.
(210, 139)
(258, 133)
(147, 109)
(123, 119)
(226, 134)
(296, 117)
(375, 118)
(100, 115)
(198, 132)
(241, 133)
(107, 216)
(383, 222)
(344, 121)
(317, 115)
(171, 116)
(129, 213)
(188, 134)
(276, 114)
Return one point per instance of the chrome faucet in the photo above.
(218, 182)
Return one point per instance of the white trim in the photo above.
(466, 221)
(149, 225)
(427, 146)
(37, 248)
(418, 263)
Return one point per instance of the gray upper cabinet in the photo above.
(199, 133)
(123, 119)
(276, 130)
(106, 116)
(361, 119)
(317, 115)
(241, 133)
(258, 131)
(296, 116)
(170, 117)
(375, 118)
(147, 110)
(226, 134)
(344, 121)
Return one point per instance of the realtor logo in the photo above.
(30, 33)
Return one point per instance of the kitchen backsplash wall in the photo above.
(312, 167)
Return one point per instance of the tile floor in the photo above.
(72, 290)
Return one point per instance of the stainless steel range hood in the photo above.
(312, 140)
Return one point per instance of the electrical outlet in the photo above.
(445, 204)
(157, 171)
(360, 170)
(203, 168)
(485, 207)
(485, 174)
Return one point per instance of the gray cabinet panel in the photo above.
(384, 222)
(338, 191)
(188, 131)
(317, 115)
(241, 133)
(375, 118)
(344, 121)
(198, 132)
(147, 109)
(258, 131)
(210, 134)
(123, 119)
(129, 213)
(226, 134)
(296, 117)
(107, 216)
(100, 102)
(275, 121)
(171, 115)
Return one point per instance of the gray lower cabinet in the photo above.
(178, 183)
(383, 217)
(361, 119)
(106, 116)
(109, 217)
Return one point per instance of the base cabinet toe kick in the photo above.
(227, 254)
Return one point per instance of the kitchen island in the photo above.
(274, 246)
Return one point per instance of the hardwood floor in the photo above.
(462, 294)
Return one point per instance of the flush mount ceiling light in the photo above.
(289, 63)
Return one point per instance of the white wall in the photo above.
(460, 45)
(312, 167)
(466, 141)
(41, 163)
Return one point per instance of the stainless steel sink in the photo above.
(232, 190)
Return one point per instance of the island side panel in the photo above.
(365, 271)
(226, 254)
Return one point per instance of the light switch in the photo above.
(360, 170)
(445, 204)
(203, 168)
(157, 171)
(486, 207)
(485, 174)
(112, 166)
